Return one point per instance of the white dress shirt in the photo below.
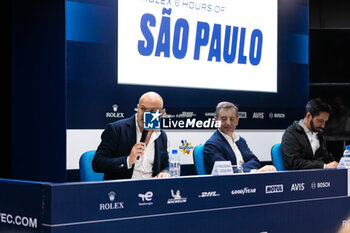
(313, 137)
(143, 167)
(232, 142)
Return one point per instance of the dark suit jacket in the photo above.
(218, 149)
(117, 141)
(297, 152)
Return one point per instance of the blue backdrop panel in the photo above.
(38, 90)
(92, 32)
(289, 202)
(21, 206)
(319, 216)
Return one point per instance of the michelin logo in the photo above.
(176, 198)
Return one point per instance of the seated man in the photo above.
(225, 145)
(303, 145)
(121, 155)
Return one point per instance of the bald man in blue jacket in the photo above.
(121, 155)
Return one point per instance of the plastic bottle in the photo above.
(174, 164)
(347, 152)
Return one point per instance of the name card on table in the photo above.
(222, 168)
(344, 163)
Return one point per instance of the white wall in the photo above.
(259, 141)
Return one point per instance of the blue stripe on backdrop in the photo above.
(88, 22)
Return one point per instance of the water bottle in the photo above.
(346, 153)
(174, 164)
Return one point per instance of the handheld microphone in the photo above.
(143, 137)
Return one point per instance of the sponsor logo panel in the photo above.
(243, 191)
(18, 220)
(277, 188)
(297, 187)
(185, 147)
(146, 198)
(115, 113)
(320, 185)
(112, 205)
(209, 194)
(176, 198)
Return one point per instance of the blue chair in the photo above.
(85, 165)
(199, 160)
(276, 155)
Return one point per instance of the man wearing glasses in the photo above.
(121, 155)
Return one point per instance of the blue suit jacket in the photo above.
(218, 149)
(117, 141)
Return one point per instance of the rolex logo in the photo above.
(115, 107)
(111, 196)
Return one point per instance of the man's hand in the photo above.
(163, 175)
(267, 168)
(137, 150)
(333, 164)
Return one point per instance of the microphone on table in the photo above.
(143, 137)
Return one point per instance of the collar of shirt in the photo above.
(312, 136)
(144, 165)
(234, 136)
(232, 142)
(306, 129)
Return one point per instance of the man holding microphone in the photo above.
(128, 151)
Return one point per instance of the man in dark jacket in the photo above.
(121, 155)
(225, 145)
(303, 145)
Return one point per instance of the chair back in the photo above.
(276, 156)
(199, 160)
(85, 165)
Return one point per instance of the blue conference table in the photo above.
(283, 202)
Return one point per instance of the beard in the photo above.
(313, 128)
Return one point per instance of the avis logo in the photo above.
(185, 147)
(151, 120)
(258, 115)
(298, 187)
